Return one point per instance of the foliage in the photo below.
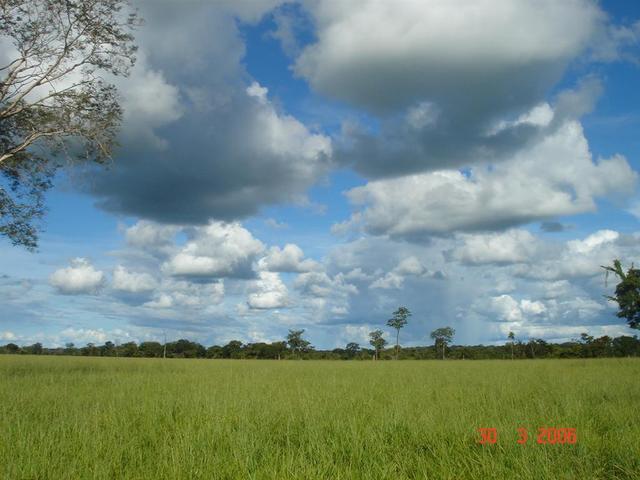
(377, 341)
(512, 338)
(296, 343)
(627, 293)
(55, 103)
(443, 336)
(585, 347)
(398, 321)
(352, 349)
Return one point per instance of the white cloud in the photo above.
(325, 296)
(82, 336)
(151, 236)
(319, 284)
(217, 250)
(257, 91)
(160, 301)
(555, 177)
(506, 308)
(148, 102)
(8, 336)
(409, 266)
(80, 277)
(593, 241)
(579, 258)
(382, 55)
(132, 282)
(512, 246)
(186, 296)
(618, 42)
(270, 292)
(532, 307)
(390, 281)
(288, 259)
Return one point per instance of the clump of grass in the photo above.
(106, 418)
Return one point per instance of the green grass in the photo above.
(109, 418)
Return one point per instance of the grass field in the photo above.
(109, 418)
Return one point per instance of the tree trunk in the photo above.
(397, 342)
(443, 344)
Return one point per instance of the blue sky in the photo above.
(317, 164)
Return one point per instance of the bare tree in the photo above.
(54, 101)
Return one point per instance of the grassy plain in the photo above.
(110, 418)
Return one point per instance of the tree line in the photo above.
(296, 347)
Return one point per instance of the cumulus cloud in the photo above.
(556, 176)
(149, 102)
(512, 246)
(231, 152)
(288, 259)
(132, 282)
(557, 319)
(593, 241)
(80, 277)
(394, 279)
(319, 284)
(382, 56)
(438, 95)
(186, 296)
(215, 251)
(326, 297)
(270, 292)
(510, 310)
(150, 236)
(580, 257)
(8, 336)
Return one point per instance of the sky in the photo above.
(317, 164)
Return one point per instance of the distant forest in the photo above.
(585, 347)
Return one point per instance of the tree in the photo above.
(108, 349)
(233, 349)
(54, 101)
(352, 349)
(129, 349)
(626, 346)
(511, 338)
(443, 336)
(150, 349)
(398, 321)
(296, 343)
(627, 293)
(278, 349)
(12, 348)
(377, 342)
(35, 349)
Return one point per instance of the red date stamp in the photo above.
(545, 436)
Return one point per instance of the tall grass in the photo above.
(108, 418)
